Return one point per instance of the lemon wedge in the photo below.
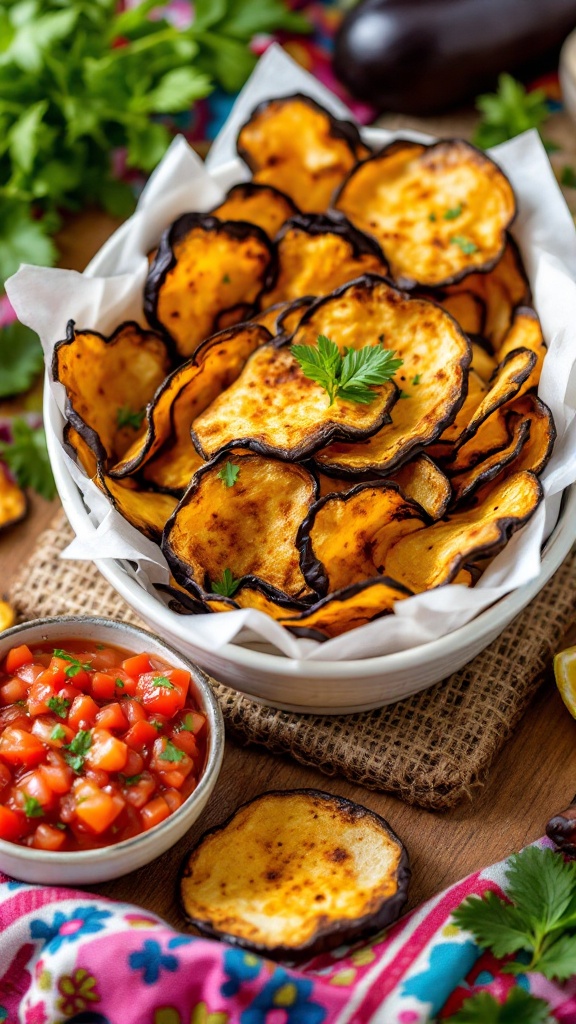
(565, 672)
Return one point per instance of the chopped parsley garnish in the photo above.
(77, 749)
(58, 733)
(453, 212)
(163, 681)
(32, 807)
(187, 724)
(416, 379)
(227, 585)
(119, 683)
(350, 377)
(127, 417)
(131, 780)
(568, 177)
(226, 279)
(404, 394)
(171, 752)
(59, 705)
(432, 217)
(75, 665)
(228, 474)
(157, 725)
(465, 244)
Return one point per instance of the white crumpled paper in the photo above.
(110, 291)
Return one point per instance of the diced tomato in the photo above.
(56, 673)
(175, 778)
(15, 716)
(137, 665)
(154, 812)
(5, 776)
(134, 763)
(94, 808)
(82, 714)
(125, 684)
(69, 692)
(17, 657)
(13, 690)
(106, 751)
(58, 777)
(192, 721)
(103, 686)
(164, 692)
(52, 731)
(28, 673)
(112, 717)
(173, 798)
(140, 735)
(166, 757)
(68, 672)
(186, 741)
(104, 659)
(134, 711)
(46, 837)
(12, 824)
(40, 692)
(20, 747)
(100, 777)
(35, 785)
(138, 793)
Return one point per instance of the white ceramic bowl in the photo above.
(86, 867)
(326, 687)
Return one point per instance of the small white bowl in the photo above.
(86, 867)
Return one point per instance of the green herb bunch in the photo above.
(80, 80)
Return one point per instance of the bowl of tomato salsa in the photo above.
(110, 745)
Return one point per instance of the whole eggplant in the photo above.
(424, 56)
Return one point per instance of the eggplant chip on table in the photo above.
(318, 871)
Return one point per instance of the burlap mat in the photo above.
(432, 749)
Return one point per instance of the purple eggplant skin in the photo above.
(425, 56)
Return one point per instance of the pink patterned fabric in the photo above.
(72, 956)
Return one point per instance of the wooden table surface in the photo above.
(534, 776)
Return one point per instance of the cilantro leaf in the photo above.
(347, 377)
(172, 753)
(519, 1005)
(163, 681)
(508, 112)
(75, 666)
(568, 177)
(23, 239)
(59, 705)
(131, 780)
(416, 379)
(58, 733)
(77, 749)
(32, 807)
(227, 585)
(228, 474)
(453, 213)
(494, 924)
(27, 457)
(559, 960)
(126, 417)
(21, 359)
(465, 244)
(187, 724)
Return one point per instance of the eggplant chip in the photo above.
(423, 482)
(250, 594)
(501, 290)
(262, 205)
(316, 871)
(482, 362)
(435, 355)
(13, 501)
(477, 389)
(207, 275)
(348, 609)
(240, 516)
(283, 317)
(317, 254)
(525, 332)
(298, 147)
(439, 211)
(109, 382)
(148, 511)
(492, 436)
(466, 483)
(79, 450)
(507, 383)
(537, 450)
(433, 556)
(165, 448)
(275, 410)
(345, 537)
(468, 309)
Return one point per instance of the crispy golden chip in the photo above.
(423, 482)
(466, 483)
(464, 578)
(165, 447)
(13, 501)
(109, 382)
(435, 355)
(439, 211)
(274, 409)
(79, 450)
(268, 318)
(477, 389)
(316, 871)
(468, 309)
(248, 528)
(207, 275)
(345, 537)
(317, 254)
(482, 363)
(502, 289)
(148, 511)
(506, 383)
(492, 436)
(348, 609)
(251, 595)
(295, 145)
(262, 205)
(434, 555)
(525, 332)
(537, 450)
(283, 317)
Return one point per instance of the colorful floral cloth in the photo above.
(72, 956)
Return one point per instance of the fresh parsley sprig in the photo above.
(21, 359)
(127, 417)
(229, 474)
(539, 920)
(349, 377)
(227, 585)
(519, 1006)
(75, 666)
(76, 750)
(27, 457)
(508, 112)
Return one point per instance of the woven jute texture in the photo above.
(432, 749)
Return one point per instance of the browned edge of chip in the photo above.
(251, 188)
(328, 936)
(198, 602)
(165, 260)
(507, 396)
